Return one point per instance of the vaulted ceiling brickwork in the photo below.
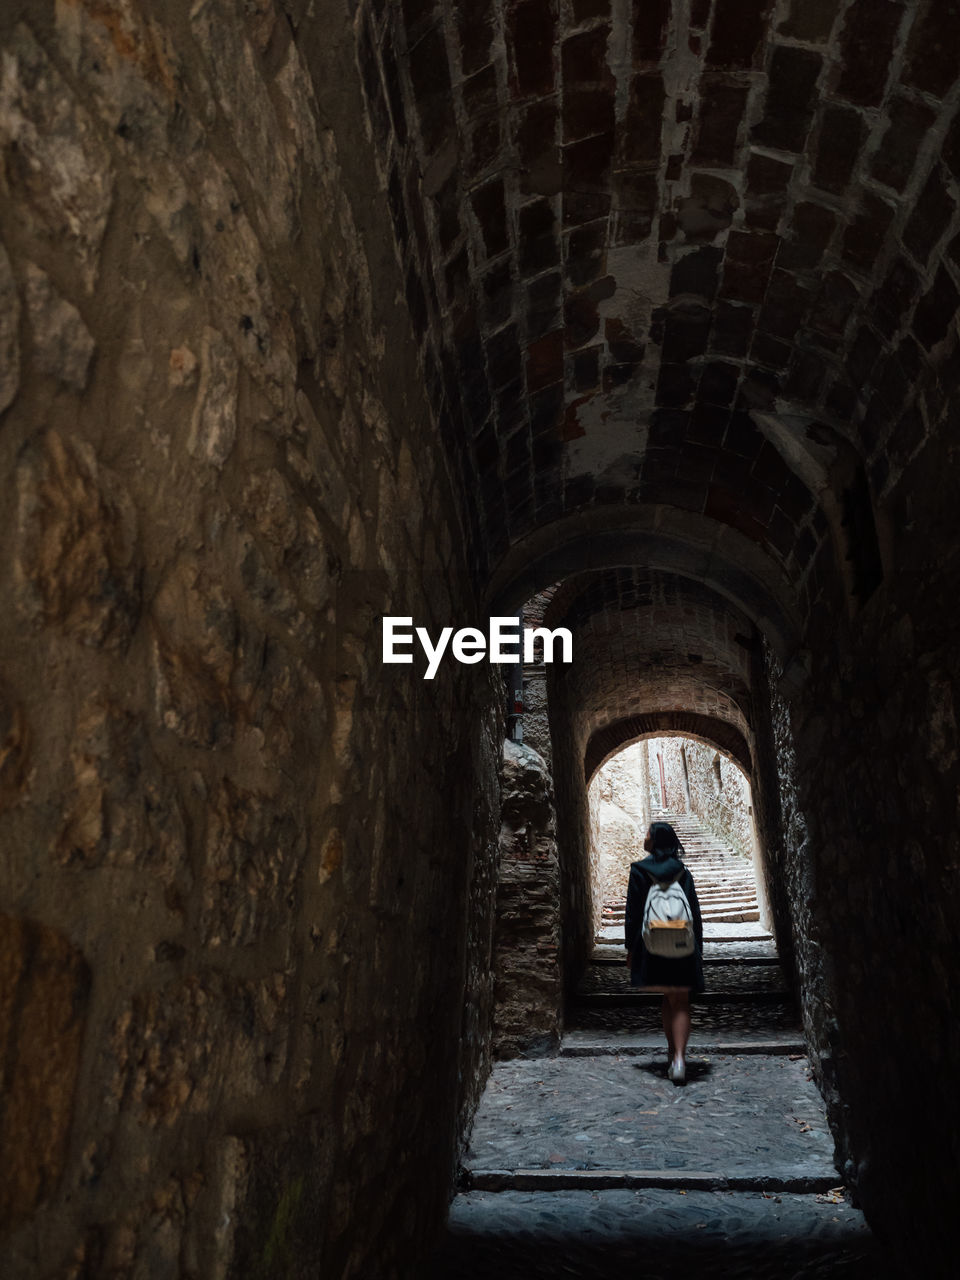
(679, 253)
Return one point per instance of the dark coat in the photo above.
(661, 971)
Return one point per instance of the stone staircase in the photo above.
(726, 885)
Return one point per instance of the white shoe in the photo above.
(677, 1071)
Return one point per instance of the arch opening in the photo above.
(708, 799)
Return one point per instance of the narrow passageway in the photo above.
(591, 1159)
(339, 340)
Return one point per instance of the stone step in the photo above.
(721, 904)
(733, 888)
(722, 893)
(627, 1044)
(701, 1235)
(730, 916)
(707, 882)
(608, 961)
(734, 949)
(718, 932)
(788, 1179)
(634, 997)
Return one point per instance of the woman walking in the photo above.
(665, 943)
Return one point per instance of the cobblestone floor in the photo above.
(754, 1114)
(653, 1235)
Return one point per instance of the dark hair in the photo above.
(665, 841)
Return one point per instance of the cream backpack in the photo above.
(668, 922)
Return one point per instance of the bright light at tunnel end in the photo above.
(500, 643)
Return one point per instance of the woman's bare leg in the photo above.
(679, 1033)
(666, 1013)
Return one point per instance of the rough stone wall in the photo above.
(529, 995)
(865, 879)
(672, 786)
(878, 873)
(789, 870)
(723, 805)
(619, 814)
(536, 715)
(247, 876)
(580, 905)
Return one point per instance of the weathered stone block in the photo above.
(936, 311)
(76, 563)
(9, 334)
(649, 29)
(789, 106)
(44, 994)
(931, 53)
(900, 146)
(54, 160)
(14, 752)
(583, 59)
(931, 215)
(810, 19)
(842, 134)
(62, 346)
(175, 1049)
(253, 855)
(213, 427)
(867, 42)
(475, 25)
(531, 25)
(121, 810)
(723, 102)
(738, 29)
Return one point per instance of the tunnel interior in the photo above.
(640, 318)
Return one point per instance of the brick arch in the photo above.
(612, 738)
(652, 644)
(678, 543)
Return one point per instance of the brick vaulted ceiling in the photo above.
(699, 255)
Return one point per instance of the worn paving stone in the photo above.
(659, 1234)
(756, 1114)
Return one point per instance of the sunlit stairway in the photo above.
(725, 882)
